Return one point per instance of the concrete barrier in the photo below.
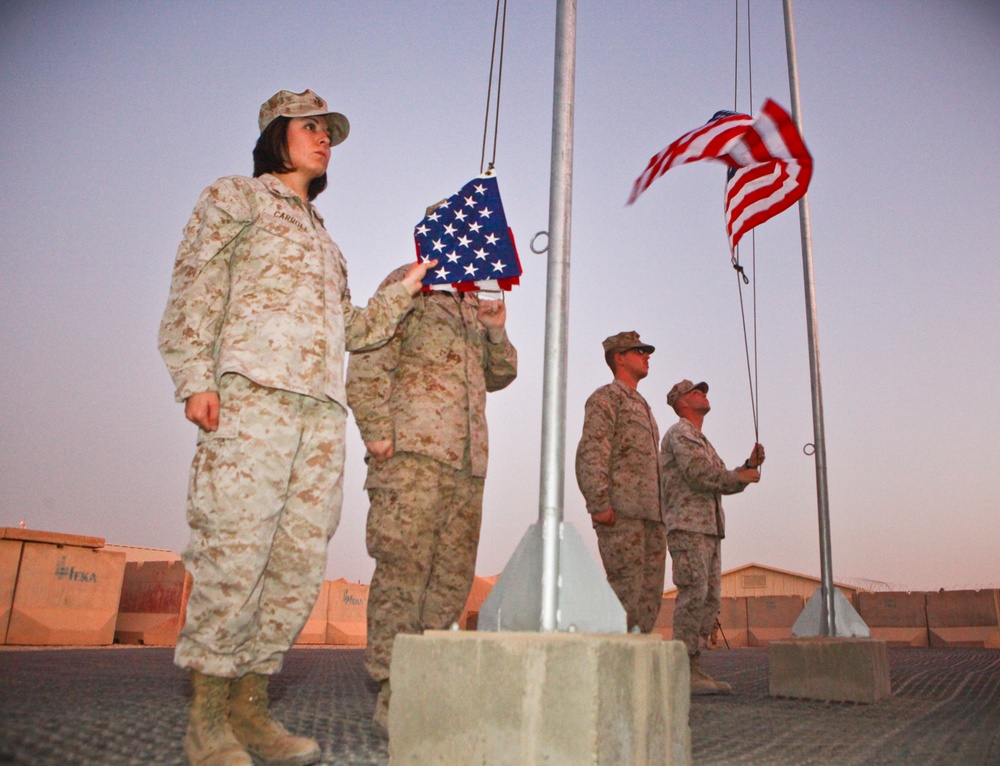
(898, 618)
(481, 587)
(53, 538)
(770, 618)
(347, 613)
(735, 632)
(153, 600)
(316, 627)
(732, 619)
(65, 594)
(963, 618)
(10, 559)
(664, 625)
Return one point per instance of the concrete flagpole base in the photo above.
(539, 698)
(830, 669)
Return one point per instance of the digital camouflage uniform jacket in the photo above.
(694, 479)
(426, 388)
(260, 289)
(616, 459)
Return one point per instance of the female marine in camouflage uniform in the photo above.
(254, 336)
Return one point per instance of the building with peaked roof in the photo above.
(759, 580)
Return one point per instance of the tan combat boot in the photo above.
(209, 740)
(702, 682)
(259, 732)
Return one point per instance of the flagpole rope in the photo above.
(496, 112)
(749, 60)
(751, 370)
(489, 89)
(736, 58)
(741, 278)
(755, 389)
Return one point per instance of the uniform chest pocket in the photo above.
(275, 264)
(434, 349)
(434, 336)
(635, 418)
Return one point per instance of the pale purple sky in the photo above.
(117, 115)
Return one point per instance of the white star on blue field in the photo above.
(469, 237)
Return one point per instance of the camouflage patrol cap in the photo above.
(284, 103)
(682, 388)
(625, 341)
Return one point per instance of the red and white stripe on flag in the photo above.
(773, 170)
(770, 165)
(709, 142)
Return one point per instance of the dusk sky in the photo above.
(116, 116)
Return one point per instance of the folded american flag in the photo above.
(468, 235)
(770, 166)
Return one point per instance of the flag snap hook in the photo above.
(741, 272)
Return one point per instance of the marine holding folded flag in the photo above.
(254, 336)
(420, 404)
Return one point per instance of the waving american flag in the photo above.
(769, 164)
(468, 235)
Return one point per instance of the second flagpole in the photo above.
(551, 490)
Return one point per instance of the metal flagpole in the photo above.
(827, 625)
(551, 582)
(557, 311)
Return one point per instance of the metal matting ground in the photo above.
(128, 705)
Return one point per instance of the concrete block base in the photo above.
(538, 698)
(830, 669)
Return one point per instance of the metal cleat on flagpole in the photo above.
(551, 583)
